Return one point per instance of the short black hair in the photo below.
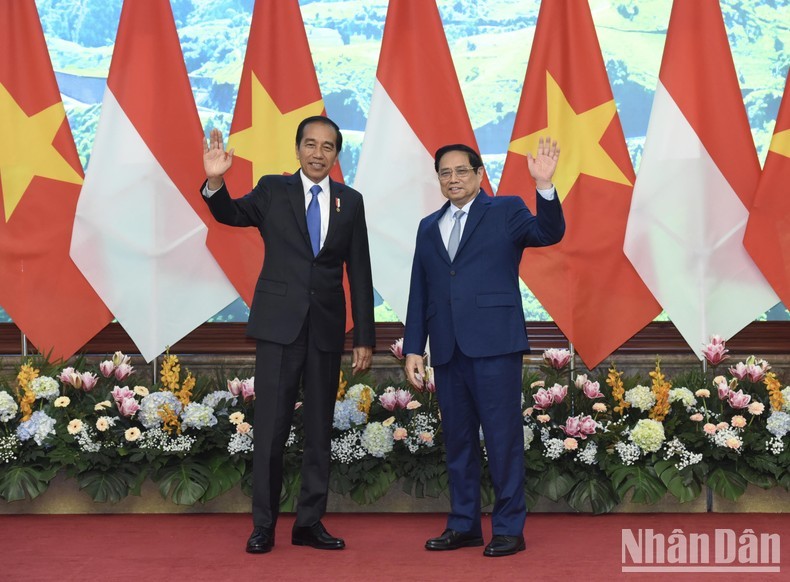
(319, 119)
(474, 158)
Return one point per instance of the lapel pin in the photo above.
(337, 204)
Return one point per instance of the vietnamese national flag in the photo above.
(696, 182)
(278, 89)
(40, 177)
(767, 237)
(137, 236)
(417, 107)
(585, 282)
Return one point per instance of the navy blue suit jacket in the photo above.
(474, 300)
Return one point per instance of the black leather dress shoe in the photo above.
(261, 540)
(452, 540)
(317, 537)
(504, 546)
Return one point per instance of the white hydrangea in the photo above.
(198, 416)
(45, 388)
(529, 436)
(377, 439)
(8, 407)
(682, 395)
(641, 397)
(786, 401)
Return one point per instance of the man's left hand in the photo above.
(363, 356)
(542, 166)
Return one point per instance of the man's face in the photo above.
(458, 189)
(317, 152)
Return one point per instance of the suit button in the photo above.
(452, 273)
(312, 291)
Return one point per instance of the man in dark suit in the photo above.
(311, 226)
(465, 296)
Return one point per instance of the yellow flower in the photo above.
(102, 424)
(62, 402)
(389, 421)
(774, 388)
(170, 422)
(615, 380)
(236, 418)
(75, 426)
(661, 391)
(365, 400)
(341, 387)
(102, 405)
(141, 391)
(26, 397)
(132, 434)
(170, 372)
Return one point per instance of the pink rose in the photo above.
(397, 349)
(402, 397)
(709, 428)
(89, 380)
(756, 371)
(587, 426)
(388, 400)
(399, 433)
(558, 393)
(557, 358)
(118, 393)
(592, 390)
(106, 368)
(739, 399)
(123, 371)
(234, 386)
(127, 407)
(724, 391)
(543, 399)
(739, 371)
(570, 444)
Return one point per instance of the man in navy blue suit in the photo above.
(465, 296)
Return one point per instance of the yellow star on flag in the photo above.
(578, 134)
(780, 143)
(26, 149)
(269, 142)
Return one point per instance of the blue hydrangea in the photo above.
(347, 414)
(219, 398)
(198, 416)
(150, 406)
(38, 427)
(8, 407)
(778, 424)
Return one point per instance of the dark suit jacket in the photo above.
(294, 284)
(474, 300)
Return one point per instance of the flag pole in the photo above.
(24, 344)
(573, 370)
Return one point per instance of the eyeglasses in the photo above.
(461, 172)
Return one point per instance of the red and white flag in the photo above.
(40, 176)
(766, 236)
(417, 107)
(137, 236)
(695, 184)
(585, 282)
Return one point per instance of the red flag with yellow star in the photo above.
(278, 89)
(585, 282)
(766, 237)
(40, 176)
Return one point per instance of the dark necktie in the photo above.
(455, 235)
(314, 220)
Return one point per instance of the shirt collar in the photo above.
(307, 183)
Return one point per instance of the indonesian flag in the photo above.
(137, 237)
(696, 182)
(417, 107)
(585, 282)
(766, 237)
(40, 177)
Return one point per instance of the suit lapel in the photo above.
(478, 209)
(335, 191)
(296, 196)
(435, 234)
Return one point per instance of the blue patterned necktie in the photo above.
(314, 220)
(455, 235)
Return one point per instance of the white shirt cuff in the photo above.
(548, 193)
(208, 192)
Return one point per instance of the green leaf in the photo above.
(555, 484)
(644, 486)
(183, 482)
(107, 486)
(225, 472)
(756, 477)
(597, 494)
(684, 488)
(18, 483)
(727, 483)
(375, 485)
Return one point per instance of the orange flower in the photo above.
(341, 387)
(615, 380)
(27, 373)
(661, 391)
(774, 388)
(170, 420)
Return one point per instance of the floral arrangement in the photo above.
(590, 441)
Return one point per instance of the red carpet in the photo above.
(379, 547)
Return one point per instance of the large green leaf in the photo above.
(555, 484)
(756, 477)
(727, 483)
(644, 486)
(107, 486)
(226, 472)
(376, 483)
(183, 482)
(595, 494)
(18, 483)
(684, 488)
